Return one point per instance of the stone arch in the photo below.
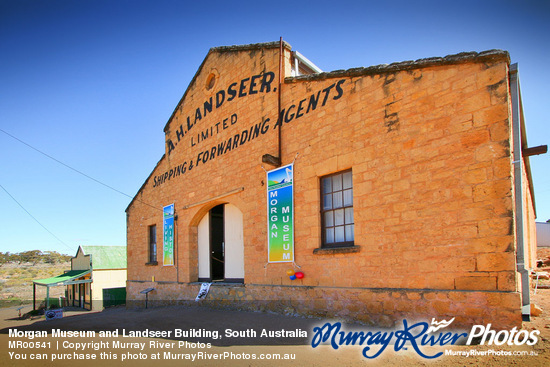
(233, 240)
(201, 211)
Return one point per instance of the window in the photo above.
(153, 244)
(337, 210)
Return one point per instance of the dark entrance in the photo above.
(217, 245)
(74, 295)
(81, 295)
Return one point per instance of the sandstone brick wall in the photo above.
(429, 148)
(377, 307)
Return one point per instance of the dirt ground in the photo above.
(237, 351)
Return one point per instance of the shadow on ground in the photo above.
(197, 324)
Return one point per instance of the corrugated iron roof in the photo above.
(107, 257)
(68, 276)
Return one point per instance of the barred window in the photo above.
(337, 210)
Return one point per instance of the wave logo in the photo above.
(416, 336)
(439, 325)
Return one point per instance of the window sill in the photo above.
(152, 263)
(336, 250)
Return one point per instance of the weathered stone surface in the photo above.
(428, 144)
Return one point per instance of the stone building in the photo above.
(409, 193)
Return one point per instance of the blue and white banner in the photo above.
(168, 230)
(280, 214)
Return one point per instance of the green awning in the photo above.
(65, 279)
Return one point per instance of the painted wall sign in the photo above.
(260, 83)
(288, 114)
(280, 214)
(168, 231)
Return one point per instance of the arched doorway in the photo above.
(221, 245)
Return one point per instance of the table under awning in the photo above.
(62, 279)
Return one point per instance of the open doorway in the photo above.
(221, 245)
(217, 243)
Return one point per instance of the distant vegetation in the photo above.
(33, 257)
(19, 270)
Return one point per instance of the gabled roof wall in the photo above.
(465, 57)
(223, 49)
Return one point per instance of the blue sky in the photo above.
(92, 83)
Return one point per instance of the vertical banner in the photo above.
(168, 230)
(280, 214)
